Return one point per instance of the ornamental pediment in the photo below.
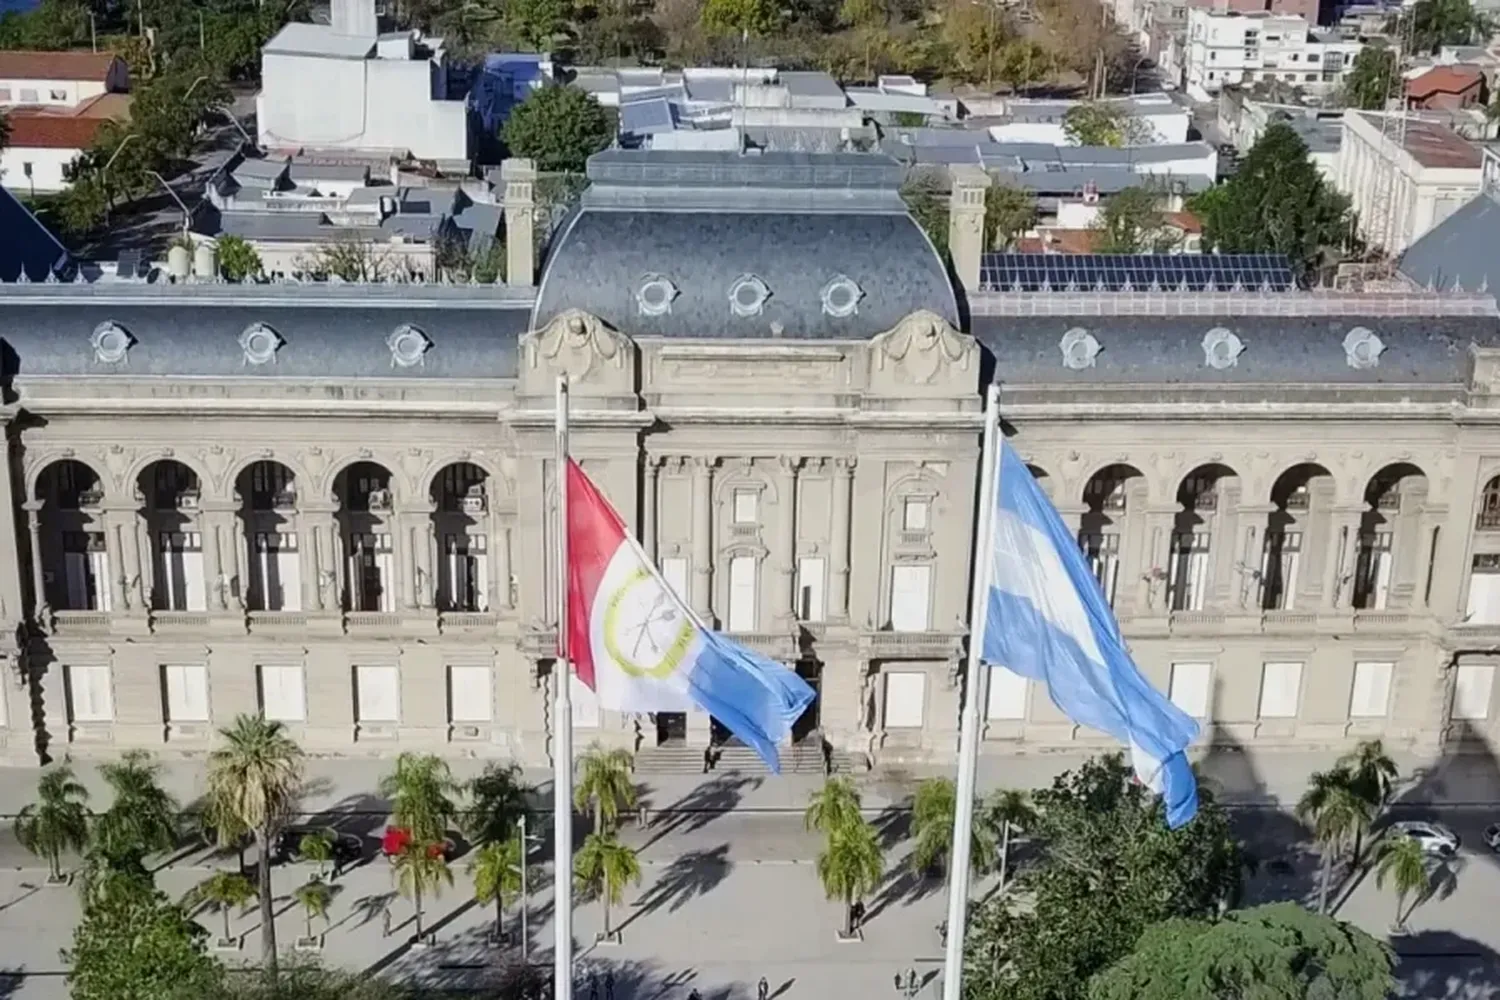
(924, 355)
(596, 358)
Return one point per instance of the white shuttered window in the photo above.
(187, 693)
(911, 597)
(469, 694)
(742, 594)
(1371, 696)
(810, 578)
(1189, 688)
(904, 697)
(1008, 692)
(1472, 690)
(282, 698)
(90, 698)
(1280, 688)
(377, 694)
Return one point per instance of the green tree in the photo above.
(317, 847)
(218, 826)
(850, 866)
(1008, 212)
(238, 260)
(142, 819)
(1275, 952)
(1403, 863)
(928, 206)
(833, 807)
(255, 776)
(314, 897)
(304, 982)
(133, 944)
(421, 870)
(222, 892)
(1277, 202)
(1436, 23)
(421, 791)
(349, 257)
(498, 801)
(57, 821)
(537, 23)
(604, 867)
(1372, 775)
(1131, 221)
(559, 128)
(497, 869)
(606, 785)
(737, 18)
(1023, 62)
(932, 818)
(1009, 811)
(1091, 123)
(1368, 82)
(1338, 817)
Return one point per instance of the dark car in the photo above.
(347, 848)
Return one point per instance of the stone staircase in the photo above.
(805, 757)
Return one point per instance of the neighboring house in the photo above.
(346, 87)
(1399, 193)
(44, 141)
(1243, 119)
(1227, 49)
(1045, 121)
(59, 78)
(1462, 251)
(1446, 88)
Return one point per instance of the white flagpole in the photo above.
(562, 727)
(968, 740)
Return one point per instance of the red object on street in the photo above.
(395, 840)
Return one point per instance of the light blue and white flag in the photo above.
(1048, 620)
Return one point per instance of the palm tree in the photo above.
(1403, 861)
(497, 869)
(850, 867)
(1008, 811)
(499, 801)
(143, 817)
(223, 891)
(605, 866)
(314, 898)
(421, 791)
(57, 821)
(1337, 815)
(932, 818)
(834, 806)
(606, 784)
(421, 869)
(255, 778)
(223, 829)
(1371, 774)
(317, 847)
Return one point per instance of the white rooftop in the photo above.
(299, 39)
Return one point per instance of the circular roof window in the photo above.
(654, 297)
(111, 342)
(1221, 348)
(408, 345)
(1079, 349)
(748, 295)
(841, 297)
(1362, 348)
(260, 343)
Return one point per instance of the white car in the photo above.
(1492, 837)
(1435, 838)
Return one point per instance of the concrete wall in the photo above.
(46, 168)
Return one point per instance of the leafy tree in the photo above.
(348, 258)
(1403, 863)
(238, 260)
(928, 206)
(1008, 213)
(142, 819)
(1022, 62)
(499, 801)
(303, 982)
(421, 791)
(1277, 202)
(1109, 867)
(1009, 811)
(256, 778)
(537, 23)
(1132, 222)
(1436, 23)
(317, 847)
(497, 870)
(421, 870)
(850, 866)
(223, 892)
(1091, 123)
(133, 944)
(1338, 816)
(1368, 82)
(834, 807)
(218, 826)
(559, 128)
(605, 866)
(57, 821)
(736, 18)
(1372, 775)
(932, 819)
(1275, 952)
(314, 897)
(606, 785)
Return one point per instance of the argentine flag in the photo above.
(1048, 620)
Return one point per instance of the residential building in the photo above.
(59, 79)
(44, 141)
(1463, 250)
(1035, 121)
(330, 504)
(347, 87)
(1225, 49)
(1243, 120)
(1400, 191)
(1446, 88)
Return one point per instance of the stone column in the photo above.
(966, 223)
(784, 604)
(703, 523)
(40, 608)
(1156, 559)
(838, 577)
(307, 559)
(518, 176)
(1249, 550)
(649, 507)
(118, 598)
(322, 528)
(1223, 551)
(207, 526)
(145, 567)
(501, 562)
(1340, 557)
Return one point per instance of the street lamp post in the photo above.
(526, 842)
(187, 215)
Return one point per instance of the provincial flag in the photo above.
(1047, 619)
(640, 647)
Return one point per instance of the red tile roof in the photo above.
(1443, 80)
(19, 65)
(43, 131)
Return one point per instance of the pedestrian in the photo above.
(857, 915)
(762, 989)
(385, 923)
(708, 759)
(609, 985)
(593, 986)
(695, 995)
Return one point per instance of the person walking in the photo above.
(609, 985)
(762, 989)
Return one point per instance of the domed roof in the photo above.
(713, 244)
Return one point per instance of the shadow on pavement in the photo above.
(1441, 965)
(699, 807)
(696, 873)
(11, 981)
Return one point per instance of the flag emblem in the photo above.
(644, 633)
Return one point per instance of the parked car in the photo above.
(1492, 837)
(1435, 838)
(347, 848)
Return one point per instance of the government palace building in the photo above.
(332, 503)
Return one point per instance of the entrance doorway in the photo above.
(808, 723)
(671, 727)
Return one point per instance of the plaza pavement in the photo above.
(729, 892)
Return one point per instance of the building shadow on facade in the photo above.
(1442, 965)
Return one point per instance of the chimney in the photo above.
(519, 179)
(966, 222)
(355, 18)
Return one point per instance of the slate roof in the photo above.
(1464, 249)
(26, 244)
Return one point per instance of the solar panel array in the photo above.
(1033, 272)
